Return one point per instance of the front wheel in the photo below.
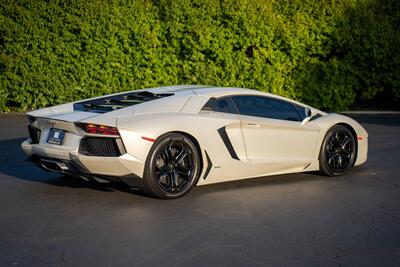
(172, 167)
(338, 151)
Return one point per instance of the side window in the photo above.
(224, 105)
(301, 111)
(266, 107)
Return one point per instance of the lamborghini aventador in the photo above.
(166, 140)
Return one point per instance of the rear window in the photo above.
(224, 105)
(111, 103)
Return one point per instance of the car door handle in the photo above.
(253, 125)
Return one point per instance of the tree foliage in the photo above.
(322, 52)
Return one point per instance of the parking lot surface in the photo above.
(288, 220)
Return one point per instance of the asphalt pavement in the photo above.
(288, 220)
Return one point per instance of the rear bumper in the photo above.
(57, 159)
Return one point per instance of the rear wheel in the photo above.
(172, 167)
(338, 151)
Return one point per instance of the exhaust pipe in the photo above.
(53, 165)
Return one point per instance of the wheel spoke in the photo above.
(162, 173)
(184, 168)
(347, 155)
(339, 150)
(181, 155)
(174, 180)
(170, 151)
(337, 137)
(344, 142)
(166, 154)
(174, 166)
(329, 148)
(339, 161)
(183, 172)
(332, 161)
(163, 178)
(331, 143)
(331, 154)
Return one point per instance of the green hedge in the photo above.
(324, 53)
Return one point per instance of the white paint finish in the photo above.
(113, 166)
(328, 121)
(46, 112)
(195, 104)
(264, 146)
(73, 116)
(135, 145)
(234, 132)
(27, 147)
(270, 141)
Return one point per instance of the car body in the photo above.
(110, 137)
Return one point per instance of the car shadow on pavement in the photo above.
(13, 163)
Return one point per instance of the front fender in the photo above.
(329, 120)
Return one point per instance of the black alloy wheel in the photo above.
(172, 167)
(338, 151)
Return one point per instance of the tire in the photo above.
(172, 167)
(338, 151)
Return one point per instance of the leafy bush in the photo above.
(324, 53)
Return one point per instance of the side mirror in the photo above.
(309, 113)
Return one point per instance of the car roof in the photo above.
(203, 90)
(173, 89)
(225, 91)
(216, 92)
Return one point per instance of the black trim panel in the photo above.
(227, 142)
(209, 166)
(316, 116)
(101, 147)
(34, 134)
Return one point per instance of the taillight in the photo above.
(98, 129)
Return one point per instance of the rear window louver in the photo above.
(111, 103)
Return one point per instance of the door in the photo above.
(273, 135)
(231, 132)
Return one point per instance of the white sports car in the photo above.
(166, 140)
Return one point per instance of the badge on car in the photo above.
(56, 136)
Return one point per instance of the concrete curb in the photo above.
(371, 112)
(12, 114)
